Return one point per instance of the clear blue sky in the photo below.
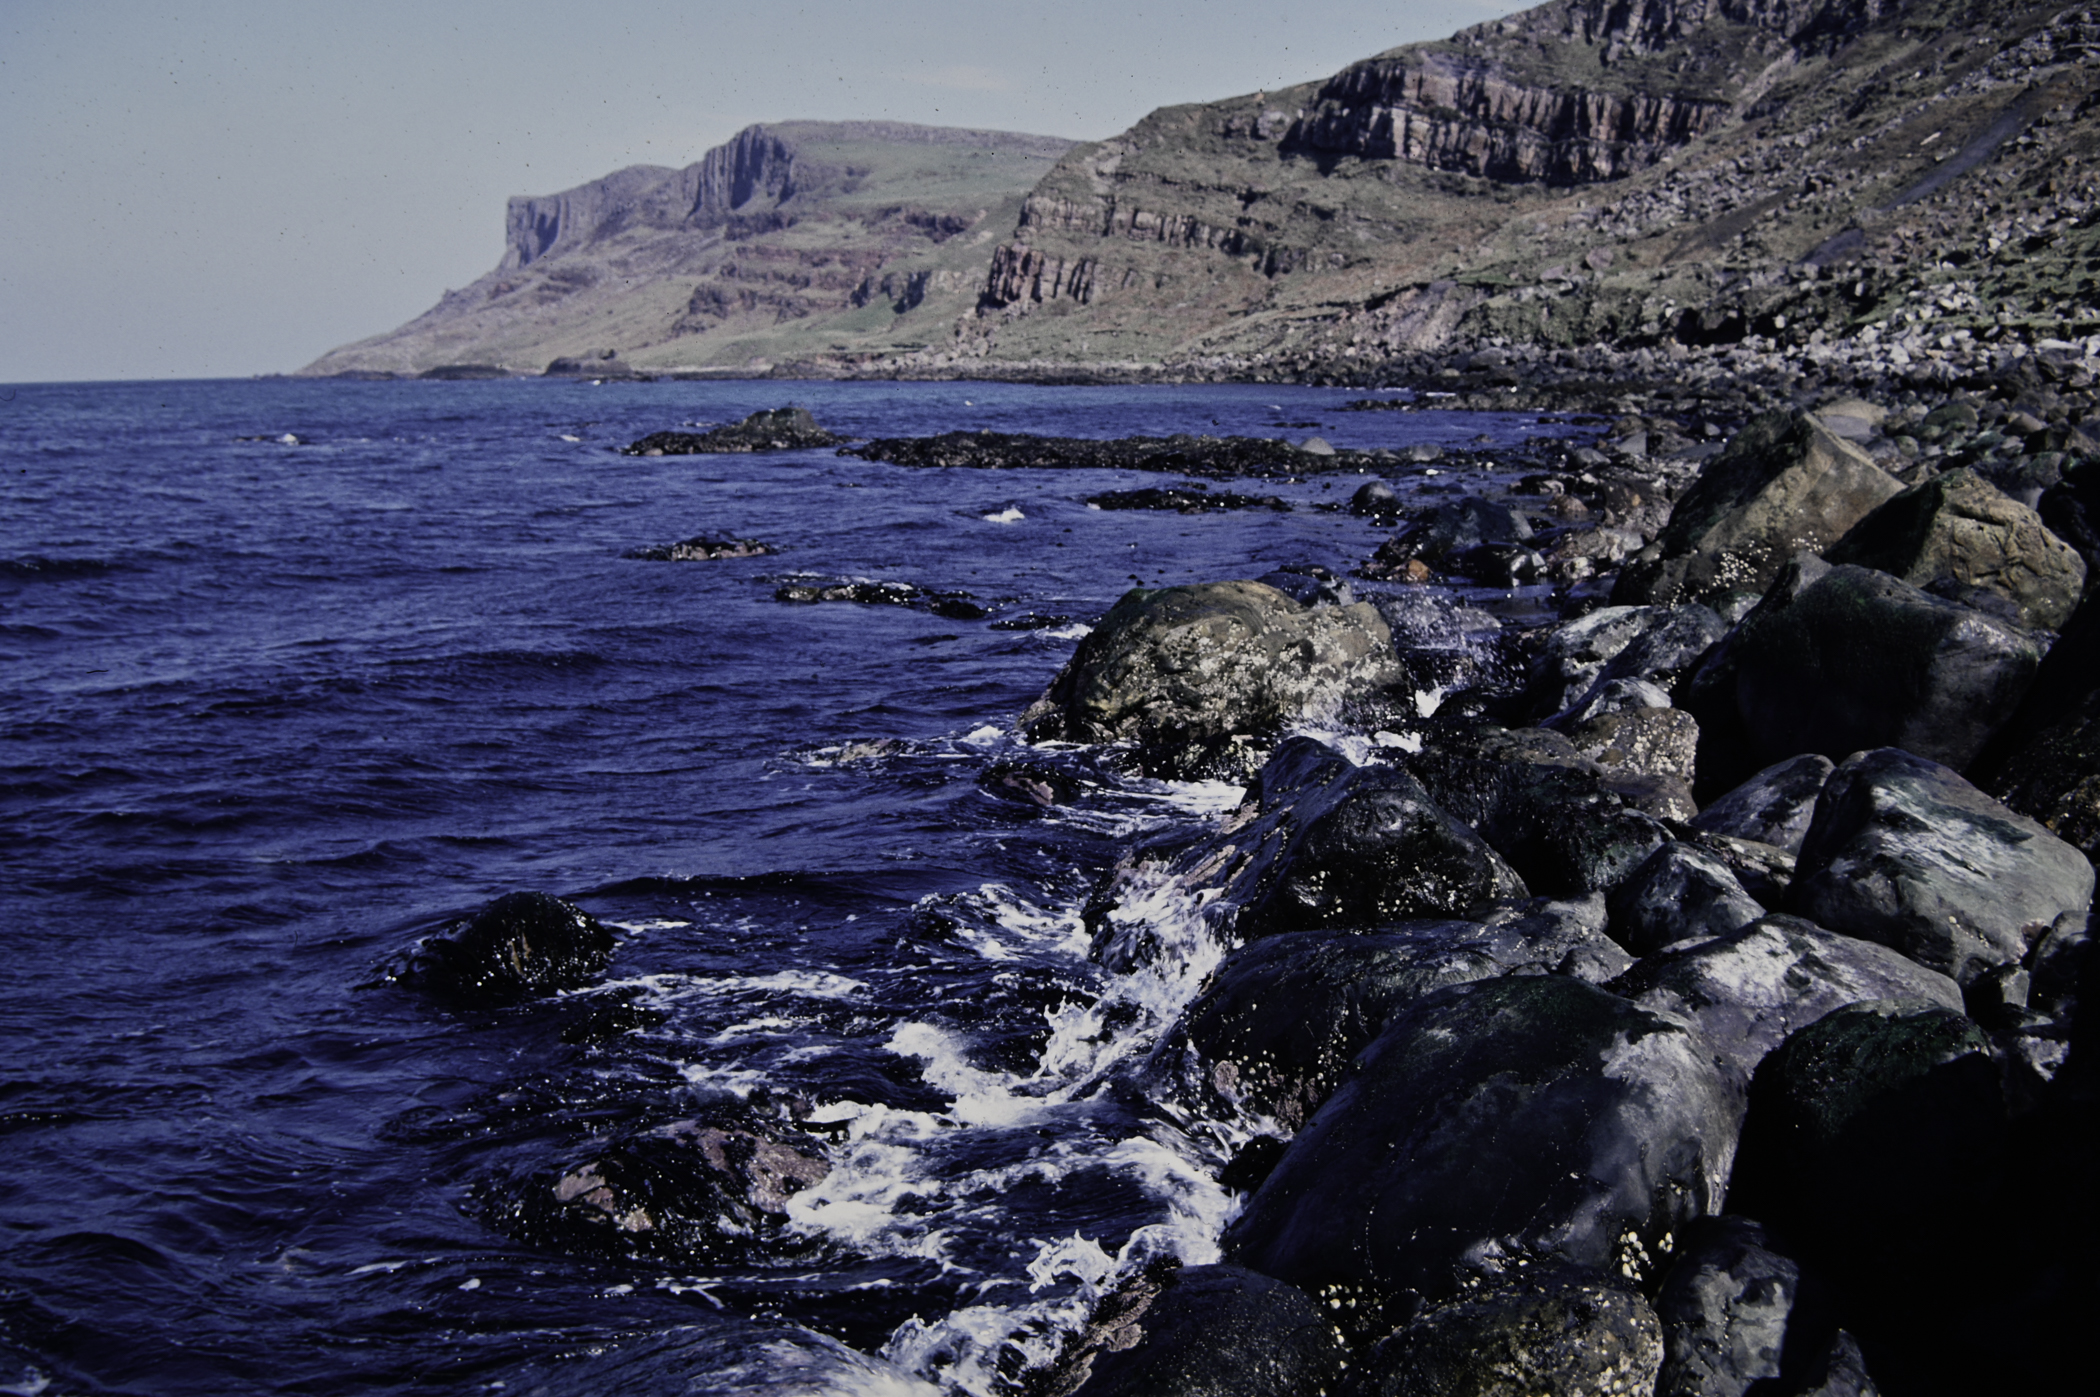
(205, 190)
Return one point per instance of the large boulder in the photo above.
(1462, 536)
(1904, 852)
(1774, 806)
(1200, 1331)
(1738, 1318)
(1492, 1126)
(1837, 659)
(521, 946)
(1566, 1333)
(1747, 990)
(1679, 893)
(1783, 486)
(1188, 674)
(1960, 526)
(2045, 762)
(1275, 1029)
(1547, 809)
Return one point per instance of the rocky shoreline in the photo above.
(1681, 995)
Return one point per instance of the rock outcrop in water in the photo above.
(521, 946)
(772, 429)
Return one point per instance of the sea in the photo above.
(296, 673)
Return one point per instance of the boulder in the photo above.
(2045, 762)
(1376, 499)
(1738, 1318)
(1195, 676)
(1568, 1334)
(775, 429)
(1904, 852)
(521, 946)
(702, 549)
(1309, 584)
(1837, 659)
(1679, 893)
(710, 1189)
(1445, 647)
(1669, 641)
(1641, 742)
(1748, 989)
(2070, 509)
(1566, 665)
(1772, 807)
(1765, 871)
(1200, 1331)
(1275, 1029)
(1783, 486)
(1542, 805)
(1958, 525)
(1611, 696)
(1471, 536)
(1493, 1126)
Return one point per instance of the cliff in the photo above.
(803, 238)
(1638, 173)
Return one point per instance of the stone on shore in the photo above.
(1784, 485)
(1904, 852)
(1959, 526)
(1564, 1333)
(1200, 1331)
(1201, 678)
(1838, 659)
(1493, 1126)
(1774, 806)
(521, 946)
(1738, 1318)
(1679, 893)
(1748, 989)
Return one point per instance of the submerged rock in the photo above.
(1494, 1125)
(1568, 1334)
(776, 429)
(956, 606)
(521, 946)
(1959, 526)
(2045, 762)
(1784, 485)
(1188, 674)
(1200, 1331)
(702, 549)
(1904, 852)
(1185, 499)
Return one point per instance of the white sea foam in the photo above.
(1009, 515)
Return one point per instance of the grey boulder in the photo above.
(1772, 807)
(1568, 1334)
(1905, 852)
(1679, 893)
(1737, 1319)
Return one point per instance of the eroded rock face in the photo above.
(1569, 1334)
(1785, 485)
(521, 946)
(1184, 671)
(1838, 659)
(1201, 1331)
(1748, 989)
(1535, 1118)
(1960, 526)
(1904, 852)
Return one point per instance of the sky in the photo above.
(220, 190)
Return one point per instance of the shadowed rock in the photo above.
(1567, 1334)
(521, 946)
(774, 429)
(1772, 807)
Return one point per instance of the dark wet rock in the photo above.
(702, 549)
(1567, 665)
(1309, 584)
(1665, 642)
(1031, 783)
(1874, 1139)
(956, 606)
(777, 429)
(1491, 1126)
(1542, 805)
(1765, 871)
(1611, 696)
(1451, 532)
(1031, 621)
(1838, 659)
(1904, 852)
(1214, 458)
(1445, 647)
(1199, 1331)
(2062, 960)
(601, 1018)
(1186, 499)
(1774, 806)
(1276, 1027)
(1746, 990)
(521, 946)
(713, 1188)
(1784, 485)
(1677, 893)
(1198, 676)
(1565, 1333)
(2045, 762)
(2070, 509)
(1375, 499)
(1957, 525)
(1739, 1319)
(1641, 741)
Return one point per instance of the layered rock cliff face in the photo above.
(800, 239)
(1627, 172)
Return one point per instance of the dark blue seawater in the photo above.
(272, 711)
